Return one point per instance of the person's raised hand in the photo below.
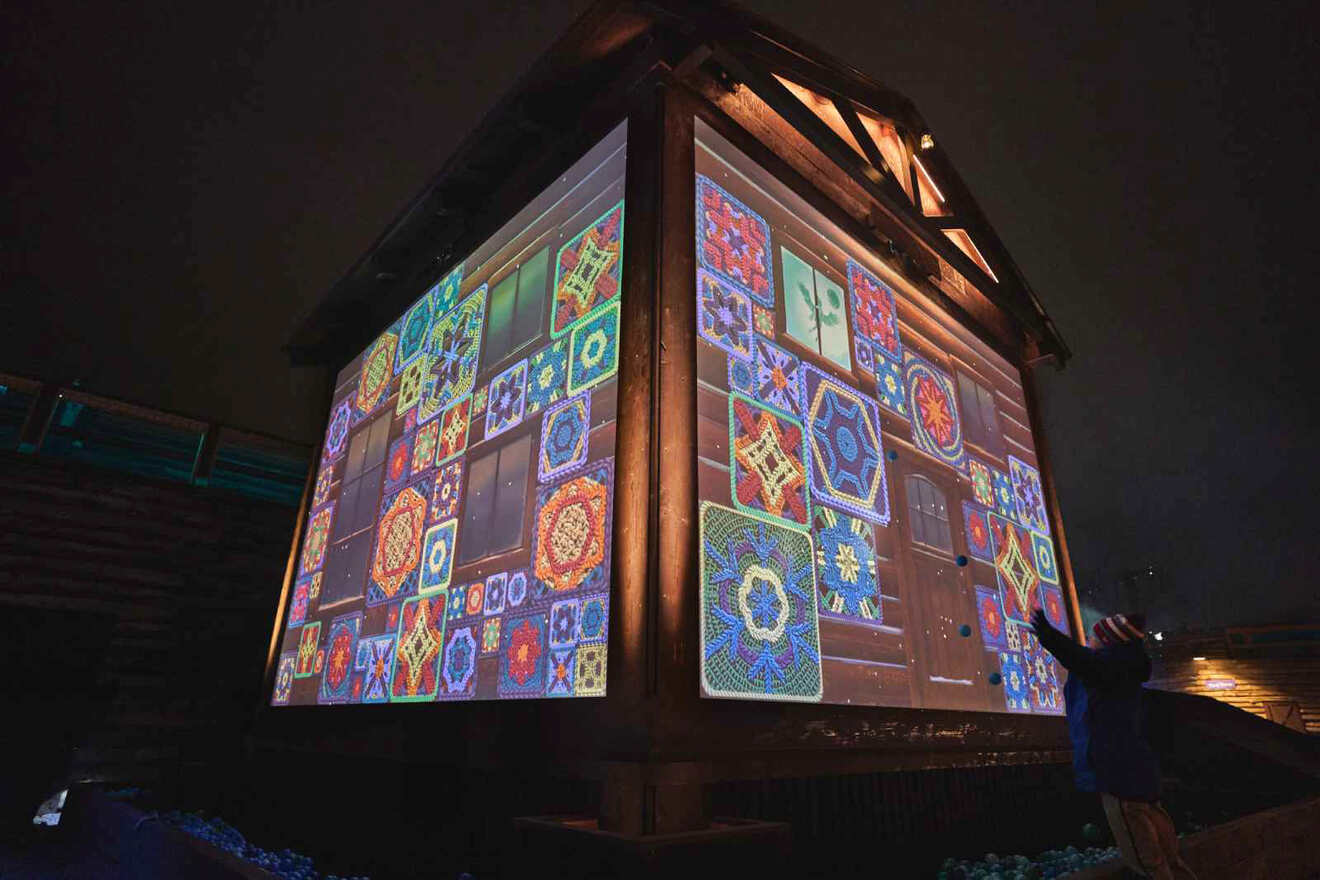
(1039, 622)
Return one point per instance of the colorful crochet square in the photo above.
(476, 599)
(457, 602)
(424, 444)
(414, 330)
(1003, 488)
(1042, 551)
(375, 659)
(594, 618)
(452, 437)
(314, 588)
(564, 622)
(983, 488)
(564, 431)
(448, 491)
(508, 395)
(863, 356)
(340, 648)
(778, 377)
(377, 371)
(458, 666)
(760, 634)
(571, 544)
(724, 315)
(763, 321)
(298, 605)
(445, 293)
(336, 430)
(874, 316)
(1016, 694)
(417, 650)
(1042, 676)
(516, 588)
(936, 428)
(889, 389)
(490, 635)
(318, 536)
(325, 478)
(496, 593)
(1012, 629)
(438, 557)
(479, 401)
(522, 656)
(587, 271)
(589, 677)
(977, 529)
(411, 382)
(398, 464)
(1051, 599)
(308, 643)
(559, 672)
(398, 544)
(741, 379)
(547, 376)
(990, 616)
(1028, 499)
(733, 242)
(454, 349)
(846, 581)
(283, 680)
(1013, 566)
(847, 460)
(768, 463)
(593, 350)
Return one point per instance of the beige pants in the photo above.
(1146, 839)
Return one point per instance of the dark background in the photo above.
(182, 182)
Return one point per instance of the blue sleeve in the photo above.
(1094, 668)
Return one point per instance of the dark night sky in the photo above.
(181, 185)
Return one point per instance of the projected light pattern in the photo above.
(862, 539)
(458, 541)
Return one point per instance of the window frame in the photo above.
(468, 557)
(540, 245)
(918, 514)
(989, 437)
(802, 345)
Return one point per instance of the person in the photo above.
(1110, 752)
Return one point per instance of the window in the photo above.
(980, 415)
(515, 308)
(356, 512)
(815, 309)
(928, 513)
(496, 497)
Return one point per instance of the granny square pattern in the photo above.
(283, 680)
(588, 271)
(843, 440)
(411, 382)
(522, 656)
(874, 315)
(424, 444)
(454, 348)
(375, 659)
(336, 429)
(977, 530)
(1042, 552)
(990, 616)
(571, 538)
(889, 389)
(438, 556)
(593, 350)
(1003, 489)
(448, 491)
(458, 666)
(740, 377)
(516, 588)
(1016, 694)
(1051, 599)
(733, 242)
(504, 408)
(340, 648)
(298, 605)
(846, 581)
(445, 293)
(560, 670)
(1013, 567)
(452, 437)
(779, 377)
(564, 431)
(496, 593)
(564, 622)
(589, 677)
(547, 376)
(724, 315)
(374, 379)
(398, 552)
(1028, 499)
(398, 463)
(594, 618)
(768, 464)
(490, 635)
(309, 641)
(414, 330)
(1042, 676)
(417, 650)
(983, 489)
(936, 428)
(317, 539)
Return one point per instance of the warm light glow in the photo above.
(1220, 684)
(928, 180)
(1198, 658)
(927, 142)
(965, 244)
(824, 108)
(890, 146)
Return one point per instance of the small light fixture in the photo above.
(1198, 658)
(927, 141)
(1159, 637)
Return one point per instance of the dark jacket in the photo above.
(1105, 717)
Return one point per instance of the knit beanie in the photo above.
(1120, 628)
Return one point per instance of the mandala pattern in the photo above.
(760, 635)
(314, 588)
(741, 379)
(564, 432)
(589, 677)
(490, 635)
(1042, 676)
(1042, 553)
(496, 592)
(733, 242)
(1017, 576)
(516, 589)
(1052, 602)
(336, 430)
(768, 467)
(522, 657)
(476, 599)
(571, 544)
(1016, 695)
(417, 649)
(424, 444)
(375, 660)
(448, 490)
(847, 460)
(414, 330)
(547, 376)
(863, 356)
(479, 401)
(977, 529)
(454, 349)
(438, 557)
(564, 623)
(325, 478)
(1004, 505)
(308, 643)
(990, 615)
(763, 321)
(588, 271)
(318, 537)
(458, 667)
(377, 371)
(1028, 500)
(889, 388)
(457, 609)
(398, 464)
(340, 648)
(445, 293)
(778, 378)
(874, 316)
(283, 680)
(453, 435)
(398, 545)
(983, 489)
(298, 606)
(508, 393)
(846, 581)
(593, 350)
(936, 428)
(724, 316)
(411, 382)
(559, 672)
(593, 618)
